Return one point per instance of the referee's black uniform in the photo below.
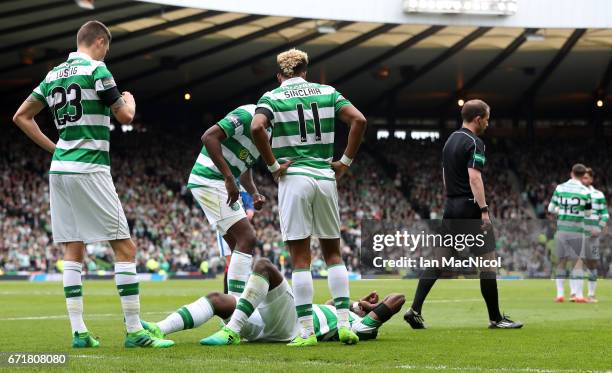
(462, 215)
(464, 150)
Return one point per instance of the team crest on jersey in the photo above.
(235, 206)
(244, 154)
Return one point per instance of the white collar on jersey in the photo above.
(295, 80)
(82, 55)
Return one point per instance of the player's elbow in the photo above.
(257, 127)
(16, 117)
(360, 121)
(210, 136)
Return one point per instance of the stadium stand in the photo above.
(150, 172)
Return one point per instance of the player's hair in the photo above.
(589, 171)
(292, 62)
(579, 170)
(472, 109)
(90, 31)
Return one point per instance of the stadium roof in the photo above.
(159, 52)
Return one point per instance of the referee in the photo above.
(463, 160)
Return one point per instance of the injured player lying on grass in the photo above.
(266, 313)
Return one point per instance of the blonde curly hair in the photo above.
(292, 62)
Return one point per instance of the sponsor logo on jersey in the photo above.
(234, 121)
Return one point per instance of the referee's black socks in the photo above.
(488, 288)
(426, 282)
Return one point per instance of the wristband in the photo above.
(346, 160)
(356, 307)
(485, 208)
(275, 167)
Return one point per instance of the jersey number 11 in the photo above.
(315, 119)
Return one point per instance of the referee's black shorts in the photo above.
(462, 216)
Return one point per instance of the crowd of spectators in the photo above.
(150, 171)
(392, 181)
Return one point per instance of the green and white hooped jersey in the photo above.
(303, 120)
(239, 151)
(70, 90)
(571, 199)
(599, 215)
(325, 320)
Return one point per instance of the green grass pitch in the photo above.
(556, 337)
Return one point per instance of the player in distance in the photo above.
(595, 228)
(571, 202)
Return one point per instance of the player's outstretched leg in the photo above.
(127, 286)
(73, 291)
(337, 280)
(254, 294)
(193, 315)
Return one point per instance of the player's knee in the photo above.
(263, 266)
(395, 301)
(213, 297)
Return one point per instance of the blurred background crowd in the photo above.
(392, 180)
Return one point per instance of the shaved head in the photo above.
(91, 31)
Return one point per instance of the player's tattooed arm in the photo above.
(24, 119)
(124, 108)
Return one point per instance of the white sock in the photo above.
(73, 290)
(188, 317)
(560, 287)
(592, 282)
(303, 292)
(337, 280)
(578, 279)
(127, 285)
(238, 272)
(254, 293)
(572, 285)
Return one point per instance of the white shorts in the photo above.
(275, 319)
(212, 199)
(86, 208)
(308, 207)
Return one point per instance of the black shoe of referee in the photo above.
(505, 323)
(414, 319)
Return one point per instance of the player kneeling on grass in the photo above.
(266, 313)
(228, 154)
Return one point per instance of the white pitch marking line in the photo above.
(60, 317)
